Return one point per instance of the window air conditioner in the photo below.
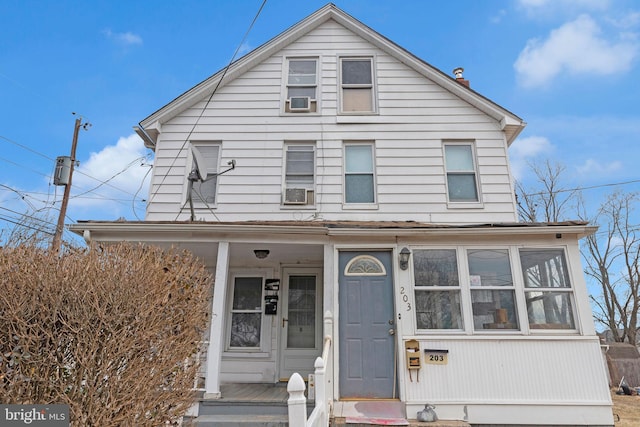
(299, 103)
(295, 196)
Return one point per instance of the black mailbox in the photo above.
(271, 304)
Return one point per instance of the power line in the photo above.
(591, 187)
(26, 148)
(224, 73)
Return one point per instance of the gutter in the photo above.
(148, 141)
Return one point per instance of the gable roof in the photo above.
(150, 127)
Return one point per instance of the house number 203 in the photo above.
(405, 298)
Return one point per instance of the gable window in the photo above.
(356, 85)
(299, 179)
(462, 185)
(358, 174)
(246, 313)
(302, 82)
(547, 289)
(205, 191)
(492, 289)
(437, 289)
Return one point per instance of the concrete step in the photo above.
(341, 422)
(240, 421)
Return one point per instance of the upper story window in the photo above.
(359, 178)
(299, 178)
(302, 85)
(209, 155)
(547, 289)
(462, 182)
(357, 85)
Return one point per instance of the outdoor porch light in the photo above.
(404, 258)
(261, 253)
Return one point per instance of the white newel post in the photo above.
(297, 402)
(216, 331)
(321, 394)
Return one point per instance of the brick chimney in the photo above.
(458, 73)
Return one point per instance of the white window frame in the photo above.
(265, 332)
(345, 173)
(314, 106)
(212, 169)
(372, 86)
(567, 290)
(287, 183)
(524, 326)
(473, 171)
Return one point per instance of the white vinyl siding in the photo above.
(414, 116)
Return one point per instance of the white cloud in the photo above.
(120, 167)
(593, 168)
(127, 39)
(524, 150)
(577, 47)
(553, 7)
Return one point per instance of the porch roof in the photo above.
(326, 228)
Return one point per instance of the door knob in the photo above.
(392, 331)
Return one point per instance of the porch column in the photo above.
(216, 331)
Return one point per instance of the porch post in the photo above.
(216, 330)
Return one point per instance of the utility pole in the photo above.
(57, 237)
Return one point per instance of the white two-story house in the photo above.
(338, 186)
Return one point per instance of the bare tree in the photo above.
(112, 332)
(552, 201)
(612, 256)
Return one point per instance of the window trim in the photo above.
(357, 205)
(314, 103)
(478, 186)
(197, 201)
(373, 85)
(312, 188)
(265, 326)
(519, 289)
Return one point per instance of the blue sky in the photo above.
(569, 68)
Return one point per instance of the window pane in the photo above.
(247, 294)
(359, 189)
(549, 310)
(206, 191)
(357, 99)
(438, 309)
(434, 267)
(489, 267)
(458, 158)
(462, 187)
(245, 329)
(301, 91)
(356, 71)
(302, 72)
(544, 268)
(493, 309)
(358, 159)
(301, 329)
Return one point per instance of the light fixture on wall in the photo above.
(404, 258)
(261, 253)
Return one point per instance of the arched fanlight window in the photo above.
(364, 265)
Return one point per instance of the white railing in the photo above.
(297, 402)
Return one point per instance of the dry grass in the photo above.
(626, 410)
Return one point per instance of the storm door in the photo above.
(300, 321)
(366, 326)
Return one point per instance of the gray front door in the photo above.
(366, 325)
